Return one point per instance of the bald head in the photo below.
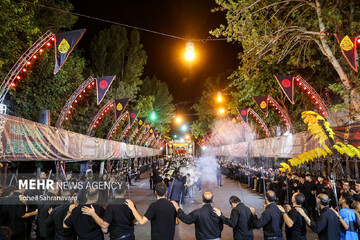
(207, 197)
(323, 199)
(270, 196)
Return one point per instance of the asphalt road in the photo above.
(142, 196)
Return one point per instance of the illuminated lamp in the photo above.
(80, 96)
(48, 44)
(24, 70)
(97, 122)
(76, 101)
(69, 112)
(304, 88)
(34, 57)
(308, 92)
(316, 102)
(71, 106)
(100, 118)
(94, 126)
(28, 63)
(52, 39)
(13, 84)
(313, 97)
(84, 91)
(89, 86)
(102, 114)
(320, 108)
(111, 105)
(66, 118)
(18, 77)
(41, 50)
(300, 84)
(93, 83)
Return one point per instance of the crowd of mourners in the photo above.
(298, 200)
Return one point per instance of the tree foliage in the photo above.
(291, 33)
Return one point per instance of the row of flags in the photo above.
(64, 45)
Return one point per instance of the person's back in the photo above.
(207, 224)
(350, 218)
(298, 230)
(271, 219)
(120, 218)
(56, 217)
(162, 215)
(175, 190)
(327, 225)
(242, 229)
(85, 227)
(12, 212)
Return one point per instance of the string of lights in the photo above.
(204, 40)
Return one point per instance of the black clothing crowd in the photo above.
(330, 209)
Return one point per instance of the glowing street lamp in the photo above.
(187, 136)
(178, 119)
(189, 54)
(219, 98)
(175, 136)
(184, 128)
(221, 110)
(153, 116)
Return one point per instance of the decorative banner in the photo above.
(120, 105)
(64, 45)
(141, 122)
(287, 85)
(102, 86)
(133, 115)
(348, 48)
(262, 103)
(151, 131)
(243, 113)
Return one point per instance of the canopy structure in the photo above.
(24, 140)
(285, 146)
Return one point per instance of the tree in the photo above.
(112, 53)
(39, 89)
(206, 108)
(273, 30)
(162, 106)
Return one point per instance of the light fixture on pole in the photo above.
(190, 53)
(184, 128)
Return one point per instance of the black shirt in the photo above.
(85, 226)
(207, 224)
(328, 226)
(298, 230)
(12, 211)
(120, 218)
(162, 215)
(57, 217)
(240, 222)
(271, 221)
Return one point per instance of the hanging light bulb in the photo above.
(189, 54)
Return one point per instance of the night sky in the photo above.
(184, 18)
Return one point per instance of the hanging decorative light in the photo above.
(190, 51)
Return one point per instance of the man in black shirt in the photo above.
(56, 217)
(328, 227)
(118, 217)
(239, 219)
(161, 213)
(85, 226)
(295, 223)
(207, 224)
(271, 219)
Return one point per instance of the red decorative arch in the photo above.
(21, 66)
(100, 115)
(259, 119)
(74, 98)
(315, 97)
(283, 114)
(114, 127)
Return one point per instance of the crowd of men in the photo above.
(296, 200)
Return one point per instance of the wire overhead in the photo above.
(204, 40)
